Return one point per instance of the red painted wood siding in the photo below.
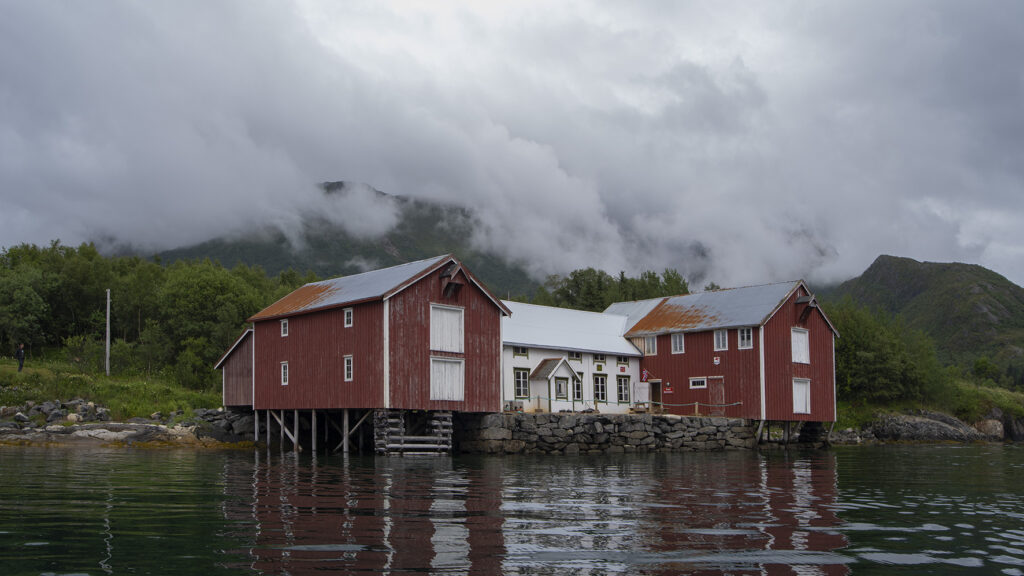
(739, 368)
(409, 337)
(237, 371)
(780, 368)
(315, 349)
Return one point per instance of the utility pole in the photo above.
(107, 364)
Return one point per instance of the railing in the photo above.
(696, 405)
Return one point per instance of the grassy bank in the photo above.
(966, 400)
(124, 396)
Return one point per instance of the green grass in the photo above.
(968, 401)
(124, 396)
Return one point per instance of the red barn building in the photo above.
(423, 336)
(761, 352)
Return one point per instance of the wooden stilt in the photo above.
(280, 421)
(313, 434)
(344, 431)
(256, 426)
(268, 427)
(295, 430)
(785, 432)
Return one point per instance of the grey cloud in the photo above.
(741, 143)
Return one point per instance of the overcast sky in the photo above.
(744, 142)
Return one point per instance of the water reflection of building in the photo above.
(388, 516)
(728, 516)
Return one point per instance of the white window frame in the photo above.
(525, 382)
(806, 398)
(284, 373)
(577, 387)
(458, 346)
(622, 360)
(349, 317)
(599, 358)
(603, 396)
(564, 393)
(521, 351)
(698, 383)
(678, 343)
(460, 394)
(284, 327)
(749, 340)
(349, 368)
(575, 356)
(622, 389)
(801, 351)
(724, 344)
(651, 345)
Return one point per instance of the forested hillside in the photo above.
(176, 320)
(423, 229)
(974, 315)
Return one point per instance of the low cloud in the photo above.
(741, 145)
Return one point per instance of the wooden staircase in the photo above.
(409, 433)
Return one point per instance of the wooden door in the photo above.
(716, 388)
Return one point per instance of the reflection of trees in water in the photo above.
(734, 512)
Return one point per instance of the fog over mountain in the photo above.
(739, 142)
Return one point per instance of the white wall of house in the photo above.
(542, 394)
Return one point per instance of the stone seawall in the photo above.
(565, 433)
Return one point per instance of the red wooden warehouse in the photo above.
(761, 352)
(423, 336)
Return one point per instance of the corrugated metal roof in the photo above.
(563, 329)
(549, 366)
(340, 291)
(633, 310)
(730, 308)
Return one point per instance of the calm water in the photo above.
(882, 510)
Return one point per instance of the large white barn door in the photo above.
(447, 379)
(446, 333)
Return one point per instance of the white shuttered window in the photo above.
(801, 396)
(801, 347)
(446, 333)
(447, 379)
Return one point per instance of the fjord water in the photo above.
(860, 510)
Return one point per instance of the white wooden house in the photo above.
(556, 359)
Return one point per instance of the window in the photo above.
(446, 329)
(746, 338)
(801, 396)
(801, 346)
(577, 356)
(600, 388)
(447, 377)
(696, 383)
(678, 344)
(650, 346)
(561, 388)
(522, 383)
(349, 372)
(284, 373)
(284, 327)
(721, 340)
(622, 360)
(348, 317)
(622, 388)
(521, 351)
(598, 358)
(577, 387)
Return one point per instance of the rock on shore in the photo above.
(78, 421)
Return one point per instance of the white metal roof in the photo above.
(563, 329)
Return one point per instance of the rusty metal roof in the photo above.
(348, 289)
(730, 308)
